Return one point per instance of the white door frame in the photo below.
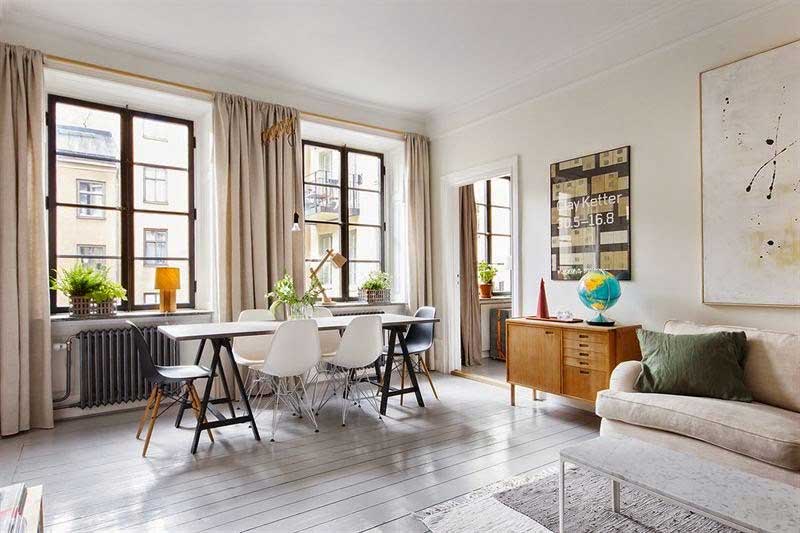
(449, 224)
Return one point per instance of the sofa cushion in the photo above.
(772, 367)
(761, 431)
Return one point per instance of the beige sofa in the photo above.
(762, 437)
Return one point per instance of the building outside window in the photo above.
(122, 178)
(493, 207)
(151, 298)
(91, 193)
(345, 215)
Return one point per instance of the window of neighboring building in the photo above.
(345, 215)
(92, 254)
(155, 247)
(91, 193)
(155, 185)
(151, 298)
(493, 207)
(120, 162)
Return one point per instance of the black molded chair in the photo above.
(419, 339)
(160, 376)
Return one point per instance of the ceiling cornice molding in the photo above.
(35, 22)
(437, 119)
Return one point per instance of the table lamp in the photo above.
(168, 280)
(338, 261)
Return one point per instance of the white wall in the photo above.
(652, 104)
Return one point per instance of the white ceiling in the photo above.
(416, 57)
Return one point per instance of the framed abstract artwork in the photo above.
(590, 204)
(750, 127)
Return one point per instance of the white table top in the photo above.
(186, 332)
(722, 492)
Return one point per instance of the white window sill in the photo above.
(126, 315)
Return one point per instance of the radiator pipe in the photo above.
(68, 388)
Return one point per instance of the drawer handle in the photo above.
(584, 371)
(548, 332)
(583, 362)
(583, 354)
(583, 345)
(583, 336)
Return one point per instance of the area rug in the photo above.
(530, 503)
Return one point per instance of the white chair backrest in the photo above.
(253, 348)
(328, 340)
(361, 343)
(294, 350)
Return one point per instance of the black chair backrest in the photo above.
(419, 337)
(146, 366)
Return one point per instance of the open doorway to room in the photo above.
(482, 203)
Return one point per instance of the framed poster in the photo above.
(590, 214)
(750, 113)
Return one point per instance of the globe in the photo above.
(599, 290)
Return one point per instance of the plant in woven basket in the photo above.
(78, 283)
(284, 292)
(107, 294)
(377, 287)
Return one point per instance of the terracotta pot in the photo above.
(485, 290)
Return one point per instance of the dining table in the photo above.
(221, 335)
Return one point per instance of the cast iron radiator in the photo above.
(109, 365)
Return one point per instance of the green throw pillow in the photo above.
(708, 364)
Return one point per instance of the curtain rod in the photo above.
(199, 90)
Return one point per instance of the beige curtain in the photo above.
(420, 269)
(258, 163)
(25, 388)
(470, 306)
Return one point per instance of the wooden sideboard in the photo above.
(573, 360)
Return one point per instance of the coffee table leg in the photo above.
(561, 496)
(615, 495)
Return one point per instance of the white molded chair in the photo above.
(250, 352)
(293, 353)
(328, 340)
(361, 345)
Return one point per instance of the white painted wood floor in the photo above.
(368, 476)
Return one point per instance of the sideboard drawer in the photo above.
(584, 383)
(581, 349)
(572, 336)
(587, 360)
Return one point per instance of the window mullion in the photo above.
(127, 200)
(344, 210)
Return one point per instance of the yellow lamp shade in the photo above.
(168, 278)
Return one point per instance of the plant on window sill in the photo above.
(486, 274)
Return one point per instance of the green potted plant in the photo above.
(486, 274)
(78, 283)
(377, 288)
(297, 307)
(107, 294)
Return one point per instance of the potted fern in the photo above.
(78, 283)
(377, 288)
(107, 294)
(296, 307)
(486, 274)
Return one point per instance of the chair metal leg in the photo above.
(275, 412)
(153, 416)
(150, 400)
(305, 406)
(427, 374)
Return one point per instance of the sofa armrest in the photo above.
(624, 376)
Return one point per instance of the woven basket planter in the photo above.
(375, 296)
(106, 308)
(80, 306)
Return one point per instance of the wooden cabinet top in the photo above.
(567, 325)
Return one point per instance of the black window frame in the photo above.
(344, 210)
(127, 206)
(488, 234)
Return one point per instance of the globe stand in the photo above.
(600, 320)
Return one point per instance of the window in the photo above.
(91, 254)
(155, 185)
(155, 247)
(135, 170)
(151, 298)
(343, 214)
(493, 207)
(91, 193)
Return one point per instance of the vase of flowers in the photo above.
(377, 288)
(296, 307)
(486, 274)
(78, 283)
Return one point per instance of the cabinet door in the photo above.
(584, 383)
(533, 357)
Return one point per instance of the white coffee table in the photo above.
(731, 497)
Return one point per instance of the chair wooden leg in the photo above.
(153, 416)
(146, 411)
(428, 374)
(402, 378)
(196, 406)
